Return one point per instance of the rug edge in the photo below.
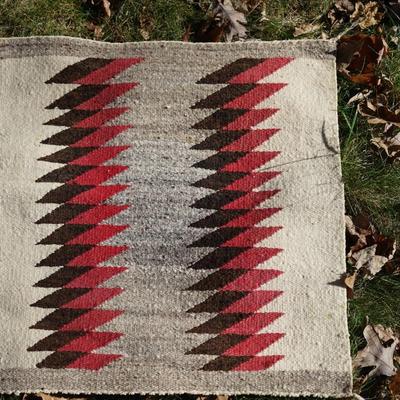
(16, 47)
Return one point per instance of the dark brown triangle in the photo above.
(218, 237)
(67, 155)
(64, 213)
(63, 193)
(77, 96)
(59, 318)
(225, 363)
(224, 95)
(218, 302)
(64, 255)
(66, 233)
(60, 297)
(227, 72)
(217, 200)
(218, 258)
(79, 70)
(220, 160)
(219, 323)
(219, 218)
(219, 140)
(68, 136)
(218, 119)
(65, 174)
(218, 345)
(71, 117)
(59, 359)
(62, 277)
(218, 279)
(56, 340)
(219, 180)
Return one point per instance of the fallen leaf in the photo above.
(377, 111)
(349, 280)
(146, 23)
(358, 57)
(367, 259)
(305, 29)
(44, 396)
(106, 7)
(340, 12)
(233, 21)
(223, 22)
(394, 385)
(390, 145)
(381, 344)
(367, 15)
(367, 250)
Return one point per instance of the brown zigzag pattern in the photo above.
(81, 196)
(234, 258)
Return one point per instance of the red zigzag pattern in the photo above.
(236, 200)
(83, 197)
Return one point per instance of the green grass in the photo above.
(371, 182)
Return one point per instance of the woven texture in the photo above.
(172, 218)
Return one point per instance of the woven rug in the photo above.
(172, 218)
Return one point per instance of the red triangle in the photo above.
(98, 234)
(253, 345)
(107, 72)
(250, 200)
(96, 255)
(255, 96)
(250, 140)
(252, 180)
(251, 236)
(98, 175)
(253, 324)
(261, 70)
(251, 258)
(101, 136)
(258, 363)
(253, 301)
(99, 156)
(252, 279)
(97, 214)
(91, 341)
(97, 194)
(93, 298)
(251, 218)
(91, 320)
(250, 161)
(94, 277)
(100, 118)
(249, 119)
(93, 361)
(106, 96)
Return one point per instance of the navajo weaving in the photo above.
(172, 218)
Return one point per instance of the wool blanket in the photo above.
(172, 218)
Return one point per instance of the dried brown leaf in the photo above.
(367, 15)
(394, 386)
(106, 7)
(358, 57)
(305, 29)
(381, 344)
(367, 250)
(390, 145)
(234, 21)
(340, 12)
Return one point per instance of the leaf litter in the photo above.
(378, 353)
